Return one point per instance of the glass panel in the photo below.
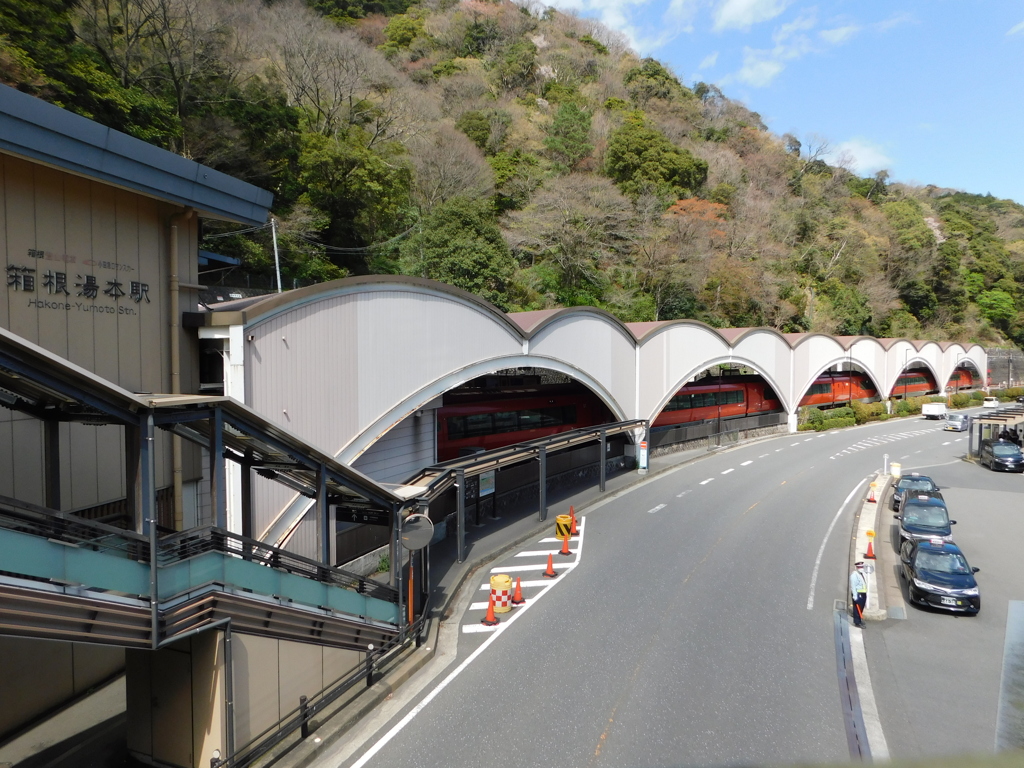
(479, 424)
(506, 422)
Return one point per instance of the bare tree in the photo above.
(582, 223)
(448, 165)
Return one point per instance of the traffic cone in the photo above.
(871, 495)
(572, 519)
(565, 547)
(870, 554)
(550, 572)
(490, 619)
(517, 596)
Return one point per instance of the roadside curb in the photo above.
(868, 520)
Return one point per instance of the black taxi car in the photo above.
(916, 484)
(1001, 455)
(937, 575)
(924, 517)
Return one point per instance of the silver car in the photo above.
(957, 422)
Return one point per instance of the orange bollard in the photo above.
(572, 518)
(490, 619)
(550, 572)
(517, 596)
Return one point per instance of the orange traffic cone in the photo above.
(871, 494)
(565, 547)
(572, 519)
(490, 619)
(550, 572)
(517, 596)
(870, 554)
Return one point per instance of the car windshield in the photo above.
(931, 517)
(955, 418)
(1005, 450)
(942, 562)
(917, 484)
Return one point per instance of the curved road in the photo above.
(695, 628)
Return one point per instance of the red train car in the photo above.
(831, 389)
(717, 397)
(487, 419)
(914, 384)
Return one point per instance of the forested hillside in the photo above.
(525, 155)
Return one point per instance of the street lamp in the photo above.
(906, 362)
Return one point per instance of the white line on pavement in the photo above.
(538, 553)
(746, 462)
(652, 511)
(868, 708)
(821, 549)
(727, 471)
(521, 568)
(705, 482)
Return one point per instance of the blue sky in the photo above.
(929, 90)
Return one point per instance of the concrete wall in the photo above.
(41, 675)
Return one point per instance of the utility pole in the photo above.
(277, 259)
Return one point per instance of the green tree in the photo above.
(642, 161)
(651, 80)
(365, 192)
(997, 307)
(459, 243)
(568, 137)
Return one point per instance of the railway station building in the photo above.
(185, 524)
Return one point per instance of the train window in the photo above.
(507, 421)
(530, 419)
(456, 427)
(821, 389)
(728, 398)
(479, 424)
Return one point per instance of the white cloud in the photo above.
(759, 68)
(743, 14)
(1016, 29)
(709, 61)
(838, 35)
(860, 156)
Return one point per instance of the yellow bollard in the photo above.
(895, 470)
(501, 592)
(563, 526)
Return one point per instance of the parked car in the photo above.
(924, 517)
(1001, 456)
(990, 402)
(937, 575)
(915, 485)
(957, 422)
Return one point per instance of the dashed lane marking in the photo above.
(727, 471)
(705, 482)
(792, 444)
(763, 455)
(745, 463)
(680, 495)
(656, 509)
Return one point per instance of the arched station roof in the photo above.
(341, 362)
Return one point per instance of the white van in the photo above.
(990, 402)
(933, 410)
(957, 422)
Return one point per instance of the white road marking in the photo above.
(946, 443)
(556, 540)
(779, 449)
(763, 455)
(472, 629)
(745, 463)
(727, 471)
(524, 584)
(680, 495)
(657, 508)
(868, 708)
(792, 444)
(808, 439)
(482, 606)
(539, 552)
(534, 567)
(705, 482)
(821, 549)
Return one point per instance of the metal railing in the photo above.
(713, 428)
(198, 541)
(299, 718)
(24, 517)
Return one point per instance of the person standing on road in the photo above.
(859, 593)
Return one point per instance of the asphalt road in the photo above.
(695, 628)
